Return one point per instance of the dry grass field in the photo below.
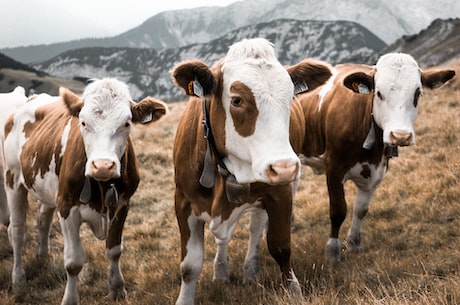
(410, 244)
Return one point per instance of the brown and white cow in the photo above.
(232, 155)
(9, 102)
(75, 154)
(354, 124)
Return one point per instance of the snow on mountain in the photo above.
(147, 70)
(388, 19)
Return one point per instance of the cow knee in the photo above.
(73, 268)
(189, 272)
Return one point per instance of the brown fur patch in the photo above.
(8, 126)
(244, 111)
(9, 179)
(48, 118)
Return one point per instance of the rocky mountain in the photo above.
(435, 45)
(13, 73)
(388, 19)
(147, 71)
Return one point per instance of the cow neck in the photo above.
(389, 151)
(236, 193)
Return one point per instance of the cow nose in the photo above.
(282, 172)
(401, 138)
(103, 169)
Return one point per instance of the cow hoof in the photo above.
(250, 270)
(221, 272)
(18, 277)
(332, 250)
(354, 244)
(119, 294)
(293, 285)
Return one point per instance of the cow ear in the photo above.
(185, 73)
(309, 74)
(433, 79)
(148, 110)
(359, 82)
(73, 102)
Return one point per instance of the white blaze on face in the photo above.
(105, 122)
(397, 89)
(257, 95)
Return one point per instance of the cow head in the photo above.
(249, 94)
(397, 84)
(106, 112)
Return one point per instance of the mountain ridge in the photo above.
(179, 28)
(147, 70)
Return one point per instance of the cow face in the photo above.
(257, 94)
(397, 86)
(250, 95)
(106, 113)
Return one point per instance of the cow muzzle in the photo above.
(401, 138)
(103, 170)
(283, 172)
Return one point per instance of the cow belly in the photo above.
(45, 188)
(367, 176)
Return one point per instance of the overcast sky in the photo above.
(30, 22)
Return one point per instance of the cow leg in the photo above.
(361, 206)
(192, 248)
(279, 209)
(17, 202)
(337, 214)
(4, 210)
(44, 219)
(114, 248)
(295, 186)
(258, 223)
(74, 254)
(220, 267)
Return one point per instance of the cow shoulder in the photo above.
(296, 126)
(349, 108)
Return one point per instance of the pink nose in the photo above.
(401, 138)
(103, 169)
(283, 172)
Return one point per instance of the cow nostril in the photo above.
(282, 172)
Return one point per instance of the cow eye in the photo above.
(236, 101)
(380, 95)
(83, 123)
(127, 124)
(417, 96)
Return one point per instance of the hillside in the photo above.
(387, 19)
(147, 70)
(13, 73)
(435, 45)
